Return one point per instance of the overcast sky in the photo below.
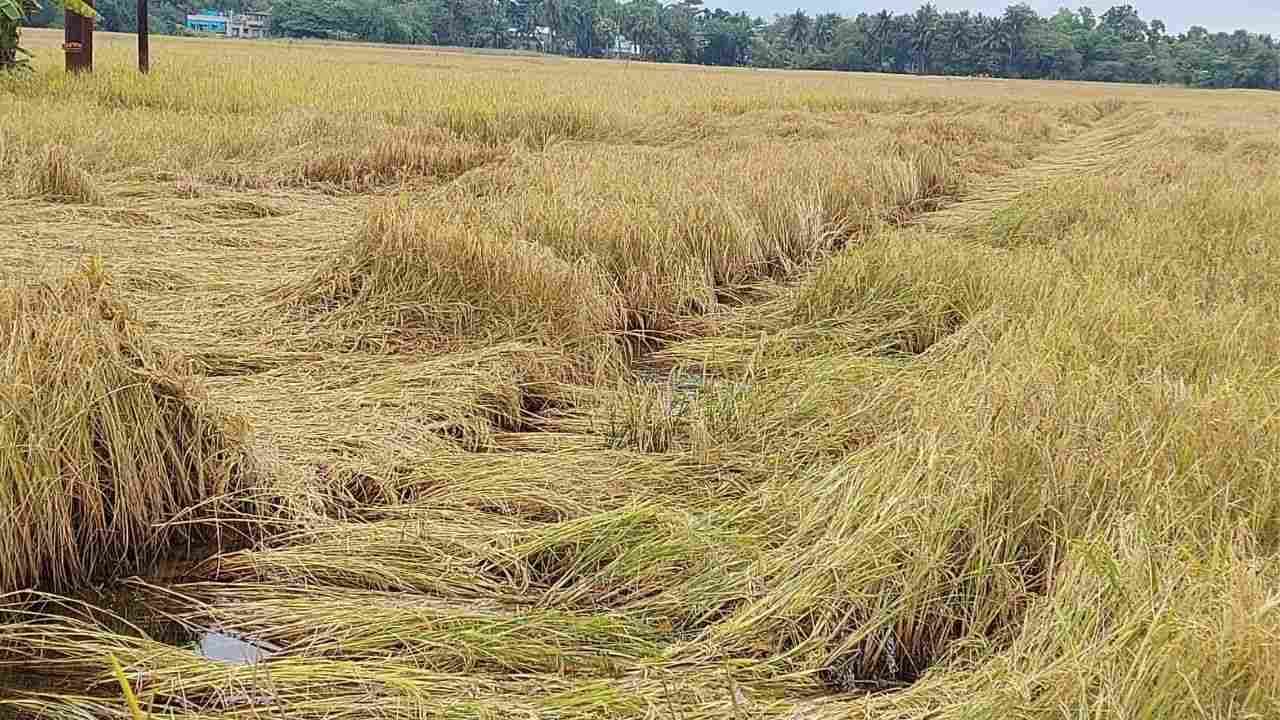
(1178, 15)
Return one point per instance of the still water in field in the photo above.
(226, 648)
(129, 611)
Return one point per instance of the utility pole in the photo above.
(78, 41)
(144, 39)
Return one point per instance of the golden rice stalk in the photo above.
(103, 438)
(54, 175)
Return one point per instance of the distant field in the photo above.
(440, 384)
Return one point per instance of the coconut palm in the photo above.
(798, 26)
(824, 30)
(881, 28)
(1018, 19)
(925, 28)
(957, 38)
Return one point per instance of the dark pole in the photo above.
(78, 41)
(144, 38)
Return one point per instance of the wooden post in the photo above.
(78, 41)
(144, 38)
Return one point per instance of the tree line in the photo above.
(1117, 45)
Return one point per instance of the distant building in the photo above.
(622, 47)
(537, 38)
(208, 21)
(249, 25)
(230, 24)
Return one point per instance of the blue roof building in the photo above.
(230, 24)
(208, 21)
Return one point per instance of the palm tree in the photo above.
(636, 23)
(1018, 19)
(824, 30)
(798, 26)
(561, 17)
(681, 24)
(925, 27)
(997, 36)
(955, 36)
(881, 28)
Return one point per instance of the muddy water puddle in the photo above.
(139, 610)
(211, 643)
(226, 648)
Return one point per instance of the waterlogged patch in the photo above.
(221, 647)
(143, 610)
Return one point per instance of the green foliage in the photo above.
(1114, 46)
(1118, 46)
(369, 20)
(13, 13)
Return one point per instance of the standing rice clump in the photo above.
(103, 439)
(54, 175)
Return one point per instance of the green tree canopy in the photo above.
(1115, 45)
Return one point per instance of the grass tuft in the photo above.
(430, 274)
(54, 175)
(402, 155)
(105, 438)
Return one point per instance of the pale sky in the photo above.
(1227, 15)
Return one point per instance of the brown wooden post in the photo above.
(144, 38)
(78, 41)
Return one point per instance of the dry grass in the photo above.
(605, 390)
(432, 155)
(433, 274)
(106, 439)
(55, 176)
